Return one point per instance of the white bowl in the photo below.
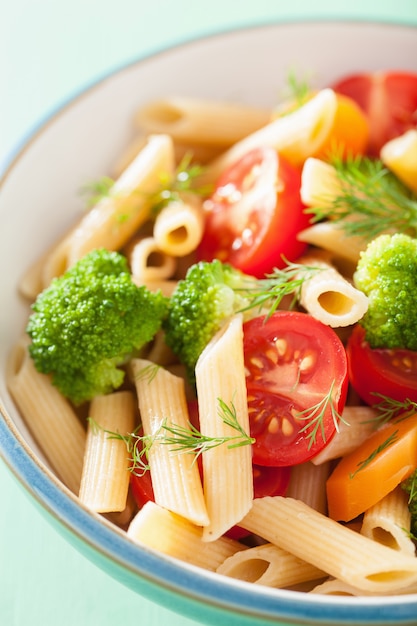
(39, 199)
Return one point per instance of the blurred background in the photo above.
(49, 51)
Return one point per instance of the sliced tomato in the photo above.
(293, 363)
(392, 373)
(254, 214)
(142, 490)
(389, 100)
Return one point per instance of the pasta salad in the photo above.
(225, 342)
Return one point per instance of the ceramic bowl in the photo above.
(39, 199)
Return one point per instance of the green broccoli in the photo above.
(410, 486)
(387, 274)
(89, 321)
(210, 293)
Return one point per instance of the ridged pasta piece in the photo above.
(337, 550)
(388, 522)
(175, 476)
(357, 423)
(329, 297)
(177, 537)
(106, 476)
(200, 121)
(331, 236)
(308, 484)
(149, 263)
(400, 156)
(296, 136)
(228, 480)
(179, 227)
(48, 415)
(269, 565)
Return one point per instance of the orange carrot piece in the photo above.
(370, 472)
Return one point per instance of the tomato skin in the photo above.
(292, 362)
(388, 98)
(392, 373)
(254, 214)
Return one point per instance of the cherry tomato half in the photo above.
(293, 363)
(388, 98)
(254, 214)
(391, 373)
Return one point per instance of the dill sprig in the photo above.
(271, 290)
(389, 409)
(182, 439)
(385, 444)
(314, 417)
(372, 200)
(183, 181)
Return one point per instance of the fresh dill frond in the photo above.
(184, 180)
(181, 439)
(372, 200)
(390, 409)
(270, 291)
(314, 417)
(385, 444)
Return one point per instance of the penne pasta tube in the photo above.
(113, 221)
(330, 546)
(106, 476)
(269, 565)
(388, 522)
(331, 237)
(167, 532)
(357, 423)
(319, 183)
(334, 587)
(149, 263)
(48, 415)
(296, 136)
(308, 484)
(221, 392)
(179, 227)
(198, 121)
(175, 476)
(330, 298)
(400, 156)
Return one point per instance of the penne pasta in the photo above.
(175, 476)
(179, 227)
(149, 263)
(296, 136)
(48, 415)
(337, 550)
(400, 156)
(105, 477)
(171, 534)
(198, 121)
(388, 522)
(357, 423)
(221, 388)
(269, 565)
(331, 237)
(308, 484)
(329, 297)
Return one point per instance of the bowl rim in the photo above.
(102, 537)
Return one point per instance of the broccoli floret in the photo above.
(410, 487)
(387, 274)
(207, 296)
(89, 321)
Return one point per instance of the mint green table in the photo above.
(48, 51)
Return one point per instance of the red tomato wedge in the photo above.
(254, 214)
(391, 373)
(294, 363)
(370, 472)
(389, 100)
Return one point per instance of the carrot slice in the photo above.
(374, 469)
